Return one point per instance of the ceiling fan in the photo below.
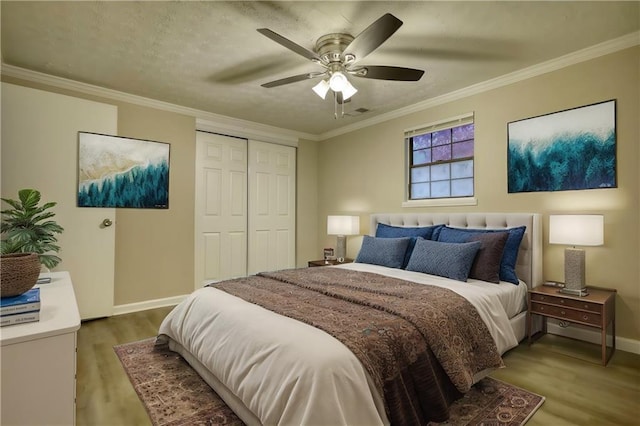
(339, 54)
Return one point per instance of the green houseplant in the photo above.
(27, 228)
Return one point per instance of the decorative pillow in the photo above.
(451, 260)
(486, 266)
(388, 231)
(511, 247)
(383, 251)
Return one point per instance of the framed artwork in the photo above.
(565, 150)
(114, 171)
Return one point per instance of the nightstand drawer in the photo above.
(571, 303)
(567, 313)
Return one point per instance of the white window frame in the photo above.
(448, 123)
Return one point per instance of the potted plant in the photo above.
(27, 230)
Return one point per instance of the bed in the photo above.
(272, 367)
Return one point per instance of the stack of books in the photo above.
(20, 309)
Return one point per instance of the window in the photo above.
(440, 160)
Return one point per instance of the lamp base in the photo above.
(341, 248)
(580, 292)
(574, 269)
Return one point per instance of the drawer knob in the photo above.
(542, 308)
(562, 301)
(541, 297)
(586, 306)
(585, 317)
(562, 312)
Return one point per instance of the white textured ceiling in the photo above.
(209, 56)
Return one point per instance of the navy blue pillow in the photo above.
(383, 251)
(451, 260)
(388, 231)
(511, 247)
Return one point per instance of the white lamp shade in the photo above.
(343, 225)
(321, 88)
(348, 91)
(576, 229)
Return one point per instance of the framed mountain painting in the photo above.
(562, 151)
(114, 171)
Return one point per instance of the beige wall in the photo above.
(307, 203)
(154, 248)
(363, 171)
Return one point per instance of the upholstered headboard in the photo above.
(529, 264)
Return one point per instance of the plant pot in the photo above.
(18, 273)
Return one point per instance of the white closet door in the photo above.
(220, 208)
(272, 216)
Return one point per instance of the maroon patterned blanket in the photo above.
(421, 344)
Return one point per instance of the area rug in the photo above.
(174, 394)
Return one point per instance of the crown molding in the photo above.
(248, 132)
(605, 48)
(208, 120)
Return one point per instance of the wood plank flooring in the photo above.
(578, 391)
(104, 395)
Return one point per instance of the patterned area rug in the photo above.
(174, 394)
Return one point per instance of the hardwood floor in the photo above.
(578, 391)
(104, 395)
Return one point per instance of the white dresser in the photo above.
(38, 360)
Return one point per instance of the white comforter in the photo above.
(289, 373)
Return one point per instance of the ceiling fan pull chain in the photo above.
(335, 106)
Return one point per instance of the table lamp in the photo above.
(341, 226)
(575, 230)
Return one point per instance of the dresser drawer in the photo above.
(571, 303)
(562, 312)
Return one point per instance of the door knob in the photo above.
(107, 223)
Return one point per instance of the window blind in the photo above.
(450, 122)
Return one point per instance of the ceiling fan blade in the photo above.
(291, 79)
(373, 36)
(289, 44)
(381, 72)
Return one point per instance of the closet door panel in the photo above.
(271, 207)
(211, 253)
(220, 208)
(238, 253)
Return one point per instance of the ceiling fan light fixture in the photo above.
(338, 54)
(338, 81)
(348, 91)
(321, 88)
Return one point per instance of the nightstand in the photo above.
(596, 310)
(328, 262)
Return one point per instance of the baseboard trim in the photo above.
(592, 336)
(147, 304)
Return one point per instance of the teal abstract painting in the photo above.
(115, 171)
(566, 150)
